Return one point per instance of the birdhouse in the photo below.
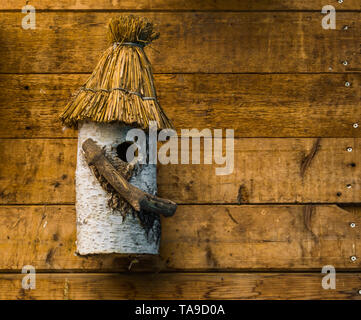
(117, 210)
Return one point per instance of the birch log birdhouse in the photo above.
(117, 210)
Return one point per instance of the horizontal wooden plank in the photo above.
(266, 170)
(180, 286)
(206, 42)
(37, 171)
(254, 105)
(178, 5)
(272, 171)
(196, 238)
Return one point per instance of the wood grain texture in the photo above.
(37, 171)
(266, 170)
(267, 105)
(196, 238)
(178, 5)
(206, 42)
(180, 286)
(273, 74)
(271, 171)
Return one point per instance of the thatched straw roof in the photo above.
(121, 88)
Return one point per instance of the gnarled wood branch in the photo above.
(138, 199)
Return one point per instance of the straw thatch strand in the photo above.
(121, 87)
(131, 29)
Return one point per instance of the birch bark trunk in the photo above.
(101, 229)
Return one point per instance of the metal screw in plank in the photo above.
(348, 186)
(353, 258)
(352, 224)
(340, 1)
(347, 84)
(355, 125)
(349, 149)
(345, 28)
(345, 63)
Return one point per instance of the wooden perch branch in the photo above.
(138, 199)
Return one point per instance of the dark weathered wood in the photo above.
(254, 105)
(179, 5)
(210, 42)
(197, 238)
(138, 199)
(206, 286)
(265, 171)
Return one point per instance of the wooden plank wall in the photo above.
(266, 69)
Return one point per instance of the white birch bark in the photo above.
(101, 229)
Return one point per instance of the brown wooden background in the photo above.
(266, 69)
